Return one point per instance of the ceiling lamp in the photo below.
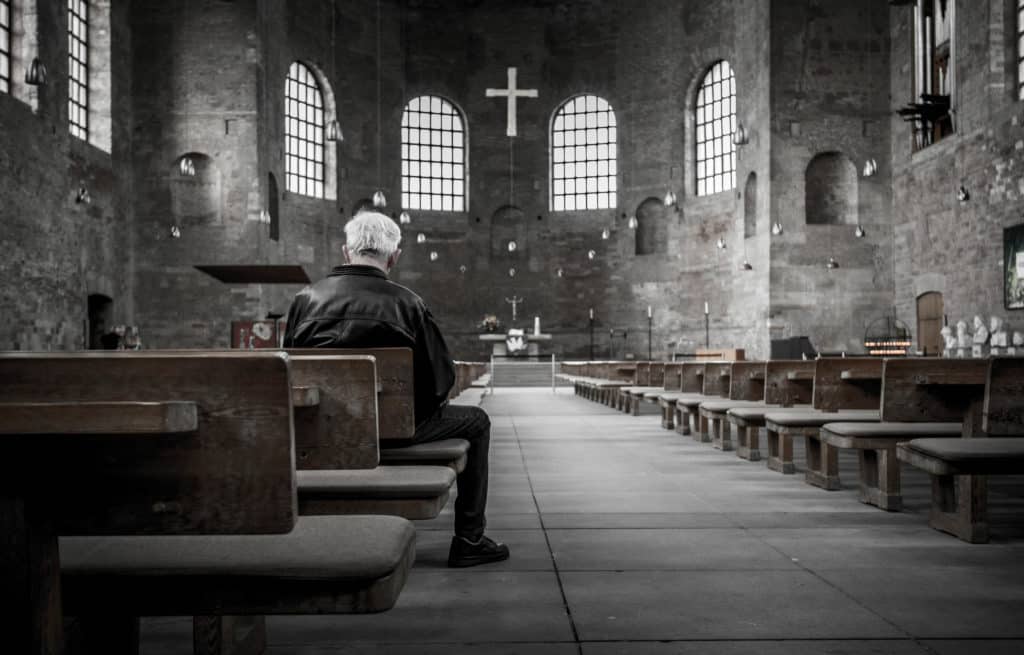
(83, 197)
(776, 228)
(511, 272)
(560, 273)
(591, 254)
(670, 199)
(832, 264)
(175, 232)
(870, 168)
(859, 232)
(747, 266)
(36, 73)
(633, 223)
(187, 166)
(962, 194)
(720, 244)
(334, 131)
(433, 255)
(379, 199)
(421, 238)
(512, 246)
(404, 218)
(463, 269)
(740, 136)
(605, 234)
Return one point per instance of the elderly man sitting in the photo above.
(357, 306)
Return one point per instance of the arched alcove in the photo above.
(273, 207)
(100, 310)
(507, 224)
(651, 228)
(196, 199)
(750, 206)
(830, 190)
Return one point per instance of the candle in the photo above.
(536, 324)
(591, 313)
(649, 313)
(706, 310)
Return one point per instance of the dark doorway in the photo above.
(100, 309)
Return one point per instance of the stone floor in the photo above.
(627, 538)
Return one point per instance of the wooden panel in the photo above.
(672, 376)
(305, 396)
(832, 393)
(715, 383)
(89, 418)
(779, 389)
(340, 432)
(657, 374)
(234, 474)
(395, 402)
(747, 381)
(931, 390)
(1004, 398)
(691, 378)
(643, 374)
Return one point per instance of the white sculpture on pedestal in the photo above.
(998, 338)
(963, 339)
(949, 340)
(980, 337)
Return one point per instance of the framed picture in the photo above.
(1013, 267)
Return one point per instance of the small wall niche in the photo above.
(830, 190)
(651, 229)
(750, 206)
(196, 199)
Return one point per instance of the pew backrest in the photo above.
(746, 381)
(691, 377)
(673, 376)
(1003, 414)
(847, 383)
(789, 382)
(656, 376)
(234, 473)
(931, 389)
(717, 376)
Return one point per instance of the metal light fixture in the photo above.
(633, 223)
(379, 199)
(175, 232)
(334, 131)
(591, 254)
(870, 168)
(421, 238)
(187, 166)
(404, 218)
(433, 255)
(512, 246)
(605, 234)
(82, 197)
(511, 272)
(832, 264)
(720, 244)
(740, 136)
(747, 266)
(776, 228)
(560, 273)
(859, 232)
(463, 269)
(962, 194)
(264, 216)
(36, 73)
(670, 199)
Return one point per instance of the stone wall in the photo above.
(58, 251)
(940, 243)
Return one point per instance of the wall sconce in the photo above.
(776, 228)
(36, 73)
(633, 223)
(379, 199)
(421, 238)
(404, 218)
(962, 194)
(334, 131)
(82, 197)
(832, 264)
(870, 168)
(740, 136)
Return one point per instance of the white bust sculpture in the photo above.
(963, 339)
(948, 338)
(998, 339)
(980, 331)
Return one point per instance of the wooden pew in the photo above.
(716, 381)
(845, 390)
(788, 383)
(206, 449)
(746, 387)
(959, 467)
(630, 398)
(921, 397)
(691, 383)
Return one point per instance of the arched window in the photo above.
(584, 155)
(5, 46)
(303, 132)
(78, 68)
(433, 156)
(715, 125)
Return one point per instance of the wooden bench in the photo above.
(786, 384)
(206, 448)
(917, 402)
(959, 467)
(746, 387)
(631, 398)
(691, 382)
(716, 381)
(834, 399)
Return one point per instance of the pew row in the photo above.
(787, 383)
(213, 501)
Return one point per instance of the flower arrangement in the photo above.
(489, 323)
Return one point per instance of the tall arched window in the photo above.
(584, 155)
(78, 68)
(303, 132)
(715, 126)
(433, 156)
(5, 46)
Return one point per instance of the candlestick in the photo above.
(649, 313)
(536, 324)
(591, 313)
(706, 309)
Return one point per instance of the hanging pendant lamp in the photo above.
(36, 73)
(334, 132)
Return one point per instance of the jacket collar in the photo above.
(358, 269)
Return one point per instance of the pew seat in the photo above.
(447, 452)
(714, 412)
(630, 397)
(875, 444)
(412, 492)
(748, 421)
(326, 565)
(782, 425)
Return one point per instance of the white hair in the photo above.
(372, 234)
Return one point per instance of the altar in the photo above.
(499, 347)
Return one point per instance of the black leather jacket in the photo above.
(359, 307)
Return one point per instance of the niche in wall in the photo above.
(196, 199)
(100, 319)
(507, 224)
(750, 206)
(830, 190)
(651, 228)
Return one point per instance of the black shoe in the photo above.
(467, 553)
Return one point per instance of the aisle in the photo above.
(627, 538)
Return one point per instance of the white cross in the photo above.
(511, 93)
